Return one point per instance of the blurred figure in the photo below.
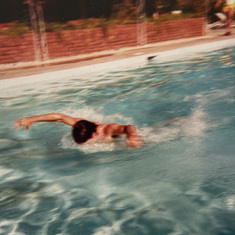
(155, 15)
(228, 9)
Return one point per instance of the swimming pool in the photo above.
(181, 182)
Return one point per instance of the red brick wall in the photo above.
(15, 49)
(171, 30)
(83, 41)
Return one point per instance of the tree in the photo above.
(124, 10)
(199, 7)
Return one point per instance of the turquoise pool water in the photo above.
(181, 182)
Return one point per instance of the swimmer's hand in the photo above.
(134, 141)
(25, 121)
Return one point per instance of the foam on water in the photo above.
(230, 202)
(91, 146)
(193, 125)
(205, 100)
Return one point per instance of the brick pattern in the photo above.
(15, 49)
(84, 41)
(172, 30)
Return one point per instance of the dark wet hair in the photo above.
(83, 130)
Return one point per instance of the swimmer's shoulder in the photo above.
(114, 129)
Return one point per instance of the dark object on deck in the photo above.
(151, 57)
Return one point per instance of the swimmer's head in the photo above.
(83, 131)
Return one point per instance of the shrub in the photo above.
(16, 28)
(169, 16)
(199, 7)
(125, 10)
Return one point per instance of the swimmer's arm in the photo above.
(50, 117)
(132, 138)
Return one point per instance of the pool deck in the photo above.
(30, 68)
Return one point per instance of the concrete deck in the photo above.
(30, 68)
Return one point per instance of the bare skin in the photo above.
(106, 131)
(230, 15)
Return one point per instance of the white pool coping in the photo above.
(137, 61)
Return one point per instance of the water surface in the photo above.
(181, 182)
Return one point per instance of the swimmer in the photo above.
(228, 9)
(84, 130)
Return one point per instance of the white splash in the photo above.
(195, 124)
(230, 202)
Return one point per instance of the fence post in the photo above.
(42, 32)
(141, 25)
(38, 30)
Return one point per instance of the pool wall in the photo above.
(95, 69)
(71, 43)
